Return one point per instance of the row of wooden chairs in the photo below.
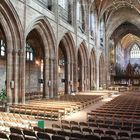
(85, 128)
(33, 95)
(75, 102)
(99, 124)
(123, 110)
(68, 106)
(127, 99)
(9, 119)
(96, 132)
(39, 133)
(55, 109)
(111, 119)
(81, 98)
(40, 112)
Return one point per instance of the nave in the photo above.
(114, 116)
(60, 61)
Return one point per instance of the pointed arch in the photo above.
(101, 71)
(83, 67)
(135, 51)
(132, 52)
(13, 32)
(92, 18)
(129, 46)
(93, 70)
(112, 26)
(11, 24)
(44, 31)
(68, 40)
(44, 28)
(81, 15)
(67, 46)
(84, 52)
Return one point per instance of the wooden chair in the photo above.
(92, 137)
(16, 137)
(16, 130)
(3, 135)
(56, 137)
(107, 138)
(44, 136)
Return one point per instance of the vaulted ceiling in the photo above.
(129, 40)
(108, 7)
(122, 19)
(125, 29)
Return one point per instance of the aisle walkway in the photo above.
(82, 115)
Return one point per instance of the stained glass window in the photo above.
(29, 53)
(2, 48)
(135, 51)
(92, 22)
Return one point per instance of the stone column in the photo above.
(95, 75)
(16, 74)
(55, 73)
(51, 77)
(98, 50)
(107, 64)
(75, 76)
(22, 55)
(9, 76)
(46, 78)
(68, 76)
(71, 77)
(88, 77)
(83, 78)
(92, 76)
(86, 72)
(98, 73)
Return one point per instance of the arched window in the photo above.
(92, 19)
(92, 22)
(65, 10)
(29, 53)
(63, 4)
(102, 30)
(80, 15)
(2, 48)
(45, 3)
(135, 51)
(78, 11)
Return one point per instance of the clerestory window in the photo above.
(2, 48)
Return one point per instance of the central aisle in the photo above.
(81, 116)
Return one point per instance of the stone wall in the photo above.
(2, 74)
(32, 78)
(30, 15)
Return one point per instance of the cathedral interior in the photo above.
(70, 69)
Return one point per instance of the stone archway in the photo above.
(34, 76)
(12, 30)
(93, 70)
(3, 59)
(66, 65)
(101, 71)
(42, 29)
(83, 79)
